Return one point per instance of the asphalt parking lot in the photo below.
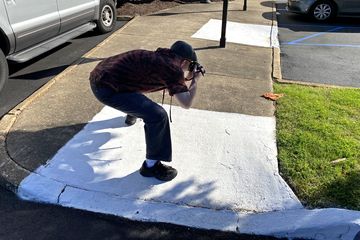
(322, 53)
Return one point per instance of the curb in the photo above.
(12, 173)
(276, 64)
(276, 71)
(311, 84)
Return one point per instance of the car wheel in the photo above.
(107, 17)
(323, 10)
(4, 70)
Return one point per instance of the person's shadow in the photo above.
(90, 161)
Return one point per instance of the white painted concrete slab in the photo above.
(147, 210)
(242, 33)
(227, 174)
(225, 161)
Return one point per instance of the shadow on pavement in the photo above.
(267, 4)
(164, 14)
(91, 163)
(268, 15)
(49, 72)
(31, 149)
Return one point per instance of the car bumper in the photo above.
(299, 6)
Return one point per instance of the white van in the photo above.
(324, 10)
(29, 28)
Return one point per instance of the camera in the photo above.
(196, 67)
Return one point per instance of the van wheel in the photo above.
(4, 70)
(323, 10)
(107, 17)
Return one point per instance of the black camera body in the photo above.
(196, 67)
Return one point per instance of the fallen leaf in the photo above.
(338, 160)
(273, 96)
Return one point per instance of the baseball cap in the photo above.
(184, 50)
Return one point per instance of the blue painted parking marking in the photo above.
(324, 45)
(315, 25)
(299, 42)
(313, 35)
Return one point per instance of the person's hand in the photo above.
(197, 74)
(193, 76)
(200, 69)
(189, 76)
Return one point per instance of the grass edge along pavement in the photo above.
(318, 137)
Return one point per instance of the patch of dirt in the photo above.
(143, 7)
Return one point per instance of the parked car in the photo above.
(29, 28)
(323, 10)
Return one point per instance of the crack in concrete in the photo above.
(226, 166)
(237, 225)
(62, 191)
(224, 208)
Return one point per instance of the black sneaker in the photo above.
(130, 120)
(159, 171)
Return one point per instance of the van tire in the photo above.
(4, 70)
(323, 10)
(107, 16)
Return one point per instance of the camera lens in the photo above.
(192, 66)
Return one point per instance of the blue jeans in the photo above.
(157, 127)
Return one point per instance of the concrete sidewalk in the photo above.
(224, 148)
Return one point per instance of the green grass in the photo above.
(316, 126)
